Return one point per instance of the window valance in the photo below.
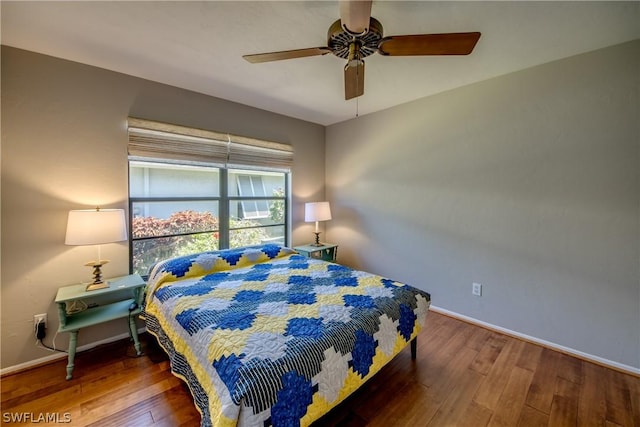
(157, 140)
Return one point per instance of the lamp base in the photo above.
(317, 243)
(97, 275)
(96, 286)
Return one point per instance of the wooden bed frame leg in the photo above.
(414, 348)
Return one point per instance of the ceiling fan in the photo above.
(357, 35)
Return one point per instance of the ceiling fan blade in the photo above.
(286, 54)
(355, 15)
(354, 80)
(429, 44)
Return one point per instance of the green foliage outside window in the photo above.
(151, 250)
(200, 234)
(276, 207)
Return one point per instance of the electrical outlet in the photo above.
(476, 289)
(39, 318)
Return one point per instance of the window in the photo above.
(180, 206)
(251, 185)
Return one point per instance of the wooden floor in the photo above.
(464, 376)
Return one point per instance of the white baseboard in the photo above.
(58, 355)
(591, 358)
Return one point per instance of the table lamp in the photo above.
(317, 211)
(95, 227)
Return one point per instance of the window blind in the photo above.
(164, 141)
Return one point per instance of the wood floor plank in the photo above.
(511, 401)
(618, 398)
(444, 349)
(125, 417)
(542, 390)
(529, 356)
(33, 380)
(172, 405)
(103, 408)
(592, 404)
(464, 375)
(475, 415)
(457, 371)
(634, 391)
(479, 338)
(97, 387)
(185, 414)
(458, 397)
(414, 411)
(57, 401)
(488, 353)
(564, 406)
(530, 417)
(26, 397)
(491, 389)
(570, 368)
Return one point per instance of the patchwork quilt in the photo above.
(265, 336)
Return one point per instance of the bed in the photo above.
(265, 336)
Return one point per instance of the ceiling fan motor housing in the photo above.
(339, 40)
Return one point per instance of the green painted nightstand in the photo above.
(326, 251)
(132, 289)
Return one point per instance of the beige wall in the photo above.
(64, 145)
(528, 184)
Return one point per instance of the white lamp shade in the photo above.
(95, 227)
(317, 211)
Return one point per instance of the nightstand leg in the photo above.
(73, 342)
(134, 334)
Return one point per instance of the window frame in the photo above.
(224, 201)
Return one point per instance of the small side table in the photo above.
(327, 251)
(130, 306)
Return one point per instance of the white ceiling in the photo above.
(199, 45)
